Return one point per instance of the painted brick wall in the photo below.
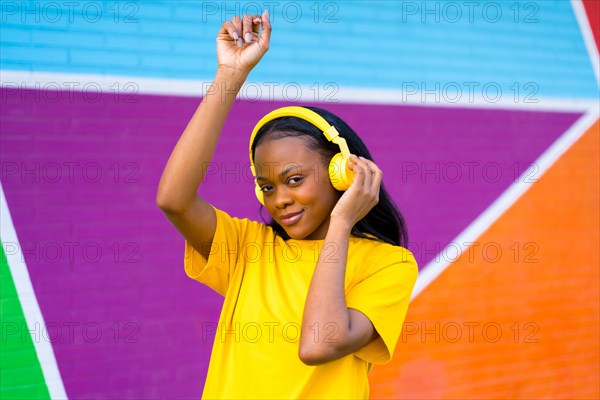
(80, 173)
(78, 179)
(522, 322)
(384, 44)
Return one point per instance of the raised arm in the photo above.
(239, 49)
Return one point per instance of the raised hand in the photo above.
(239, 45)
(363, 193)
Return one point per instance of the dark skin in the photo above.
(325, 214)
(305, 188)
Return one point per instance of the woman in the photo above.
(317, 296)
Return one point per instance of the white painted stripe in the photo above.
(465, 95)
(28, 300)
(505, 201)
(588, 37)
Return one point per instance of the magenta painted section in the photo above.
(81, 176)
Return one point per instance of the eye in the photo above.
(265, 188)
(295, 179)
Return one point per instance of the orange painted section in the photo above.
(517, 315)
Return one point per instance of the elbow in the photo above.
(311, 355)
(317, 353)
(166, 203)
(163, 203)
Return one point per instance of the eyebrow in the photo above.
(282, 173)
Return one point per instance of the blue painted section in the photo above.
(533, 47)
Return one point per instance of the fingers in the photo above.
(246, 29)
(230, 29)
(265, 36)
(233, 29)
(367, 176)
(256, 23)
(252, 25)
(362, 173)
(376, 175)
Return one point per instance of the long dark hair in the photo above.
(384, 221)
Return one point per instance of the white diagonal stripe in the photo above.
(588, 37)
(29, 304)
(506, 199)
(123, 88)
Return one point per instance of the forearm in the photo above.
(191, 156)
(326, 319)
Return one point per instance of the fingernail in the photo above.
(248, 37)
(239, 42)
(257, 19)
(361, 157)
(235, 36)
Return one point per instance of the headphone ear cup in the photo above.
(340, 174)
(259, 194)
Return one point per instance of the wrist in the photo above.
(340, 225)
(231, 76)
(225, 86)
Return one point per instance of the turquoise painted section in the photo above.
(535, 48)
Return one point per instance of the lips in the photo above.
(290, 218)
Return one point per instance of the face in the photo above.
(296, 187)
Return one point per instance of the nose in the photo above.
(283, 197)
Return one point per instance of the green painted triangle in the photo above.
(21, 375)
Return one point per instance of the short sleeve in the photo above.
(384, 297)
(223, 256)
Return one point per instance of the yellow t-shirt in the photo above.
(265, 281)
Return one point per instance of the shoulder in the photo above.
(370, 256)
(378, 249)
(244, 224)
(239, 233)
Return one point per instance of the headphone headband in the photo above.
(306, 114)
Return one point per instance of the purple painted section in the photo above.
(80, 179)
(445, 166)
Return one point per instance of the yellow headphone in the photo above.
(339, 174)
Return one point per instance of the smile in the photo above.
(292, 219)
